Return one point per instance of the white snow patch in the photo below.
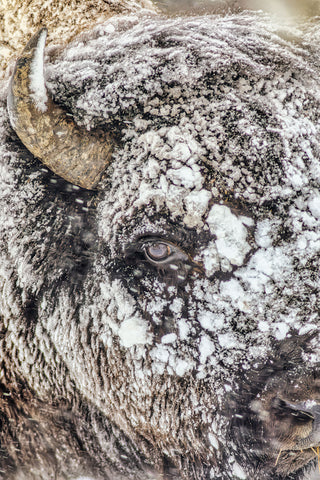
(206, 348)
(169, 338)
(296, 177)
(160, 354)
(281, 330)
(227, 340)
(134, 331)
(210, 259)
(213, 440)
(84, 478)
(109, 28)
(181, 152)
(182, 367)
(185, 176)
(238, 471)
(263, 326)
(230, 232)
(151, 169)
(196, 205)
(176, 306)
(164, 357)
(272, 262)
(184, 329)
(314, 206)
(210, 321)
(263, 234)
(234, 290)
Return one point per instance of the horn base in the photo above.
(48, 133)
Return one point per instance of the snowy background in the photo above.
(283, 7)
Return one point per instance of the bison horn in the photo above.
(44, 128)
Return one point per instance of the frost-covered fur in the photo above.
(113, 367)
(19, 20)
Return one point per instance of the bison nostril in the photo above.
(296, 426)
(284, 409)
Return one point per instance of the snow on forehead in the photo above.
(240, 97)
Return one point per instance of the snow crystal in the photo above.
(228, 340)
(181, 152)
(270, 262)
(210, 259)
(196, 205)
(263, 326)
(181, 367)
(263, 235)
(176, 306)
(281, 330)
(234, 290)
(160, 354)
(184, 329)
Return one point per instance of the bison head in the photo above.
(162, 319)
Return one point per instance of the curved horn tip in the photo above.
(37, 86)
(28, 80)
(37, 40)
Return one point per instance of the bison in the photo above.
(160, 252)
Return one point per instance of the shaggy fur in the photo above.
(204, 364)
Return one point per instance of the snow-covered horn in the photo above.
(44, 128)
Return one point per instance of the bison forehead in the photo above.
(227, 93)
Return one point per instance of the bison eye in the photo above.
(169, 259)
(158, 251)
(164, 254)
(166, 259)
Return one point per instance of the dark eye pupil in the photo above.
(158, 251)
